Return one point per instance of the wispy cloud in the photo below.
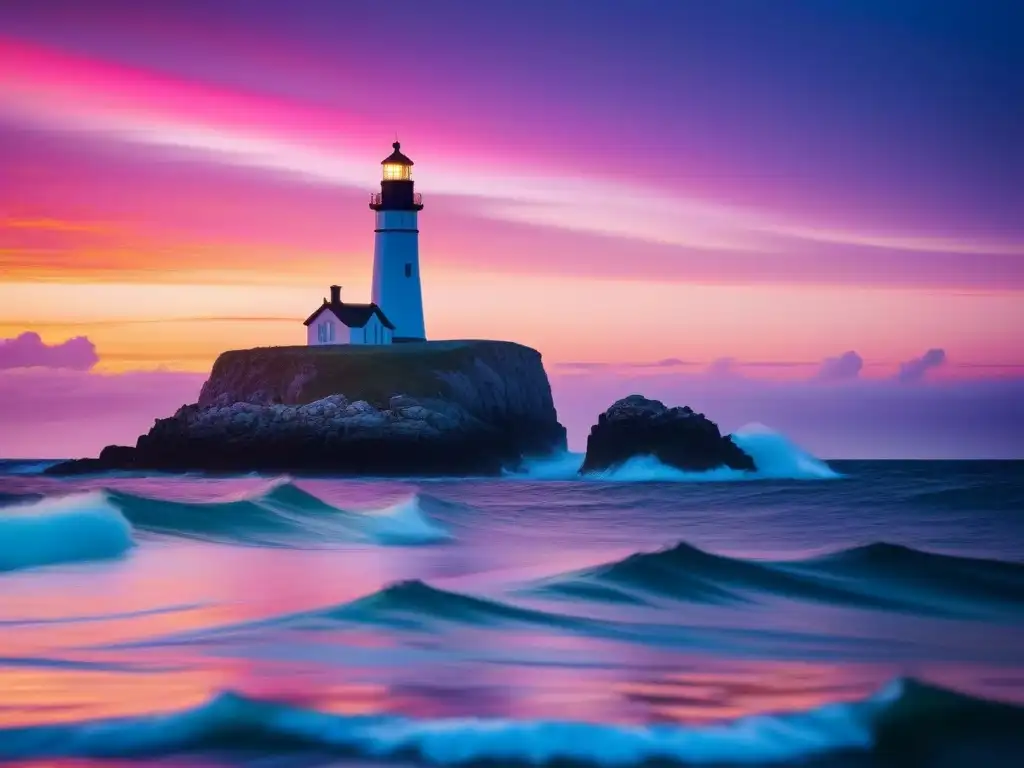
(58, 225)
(668, 362)
(127, 322)
(139, 107)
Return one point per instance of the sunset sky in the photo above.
(790, 202)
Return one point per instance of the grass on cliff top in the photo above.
(371, 373)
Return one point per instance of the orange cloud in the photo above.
(54, 250)
(57, 225)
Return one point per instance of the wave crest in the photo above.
(285, 515)
(103, 523)
(414, 601)
(907, 719)
(878, 575)
(70, 529)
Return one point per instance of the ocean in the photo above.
(847, 614)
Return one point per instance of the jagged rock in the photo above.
(677, 437)
(458, 407)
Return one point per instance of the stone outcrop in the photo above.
(677, 437)
(440, 408)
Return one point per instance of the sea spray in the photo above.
(775, 455)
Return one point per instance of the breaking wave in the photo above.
(775, 455)
(63, 530)
(101, 523)
(285, 515)
(906, 723)
(880, 575)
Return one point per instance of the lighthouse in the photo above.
(396, 249)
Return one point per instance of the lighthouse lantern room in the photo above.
(396, 253)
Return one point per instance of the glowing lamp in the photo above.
(397, 167)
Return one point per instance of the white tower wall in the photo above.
(396, 272)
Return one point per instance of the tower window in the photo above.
(408, 270)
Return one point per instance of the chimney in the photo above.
(335, 294)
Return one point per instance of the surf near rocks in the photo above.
(676, 437)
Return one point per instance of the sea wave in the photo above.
(413, 602)
(915, 574)
(906, 723)
(774, 454)
(25, 466)
(403, 605)
(284, 515)
(280, 515)
(63, 530)
(879, 575)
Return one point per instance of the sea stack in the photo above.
(427, 408)
(677, 437)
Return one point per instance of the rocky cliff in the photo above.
(444, 407)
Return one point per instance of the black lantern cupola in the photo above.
(396, 186)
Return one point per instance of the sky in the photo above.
(805, 214)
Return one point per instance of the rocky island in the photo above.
(425, 408)
(677, 437)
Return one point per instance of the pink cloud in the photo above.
(29, 351)
(917, 368)
(841, 368)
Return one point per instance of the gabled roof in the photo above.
(352, 315)
(396, 157)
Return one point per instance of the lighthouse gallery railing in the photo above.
(377, 199)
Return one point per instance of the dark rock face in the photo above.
(431, 408)
(677, 437)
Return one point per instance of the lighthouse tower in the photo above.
(396, 248)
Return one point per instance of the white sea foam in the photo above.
(85, 526)
(404, 522)
(231, 720)
(774, 454)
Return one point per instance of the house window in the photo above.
(408, 270)
(325, 332)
